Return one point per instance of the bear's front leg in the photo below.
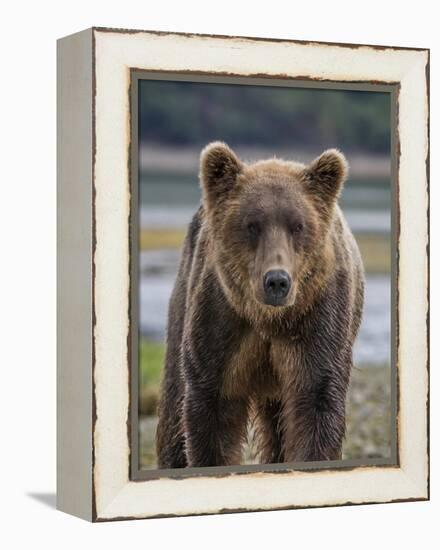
(316, 379)
(314, 420)
(215, 427)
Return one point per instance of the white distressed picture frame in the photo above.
(94, 69)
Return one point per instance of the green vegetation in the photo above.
(152, 356)
(151, 360)
(188, 113)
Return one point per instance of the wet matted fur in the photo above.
(231, 355)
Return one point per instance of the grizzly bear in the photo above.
(263, 316)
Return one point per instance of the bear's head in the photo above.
(269, 222)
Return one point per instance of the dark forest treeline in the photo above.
(185, 113)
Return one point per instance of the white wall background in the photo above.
(27, 289)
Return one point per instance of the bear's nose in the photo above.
(277, 284)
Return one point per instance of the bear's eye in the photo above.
(297, 227)
(253, 229)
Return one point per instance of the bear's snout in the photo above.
(277, 283)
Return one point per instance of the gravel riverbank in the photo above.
(368, 420)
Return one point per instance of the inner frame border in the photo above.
(136, 75)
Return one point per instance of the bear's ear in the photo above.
(326, 175)
(219, 168)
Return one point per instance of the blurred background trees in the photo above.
(184, 113)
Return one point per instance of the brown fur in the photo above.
(232, 357)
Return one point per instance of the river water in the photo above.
(158, 271)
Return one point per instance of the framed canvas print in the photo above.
(242, 274)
